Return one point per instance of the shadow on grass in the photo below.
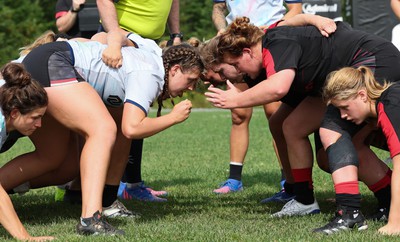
(37, 209)
(188, 197)
(42, 209)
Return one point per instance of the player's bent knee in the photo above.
(275, 124)
(241, 117)
(106, 131)
(292, 131)
(328, 137)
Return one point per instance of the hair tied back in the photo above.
(15, 74)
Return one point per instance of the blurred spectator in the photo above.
(262, 14)
(395, 4)
(69, 17)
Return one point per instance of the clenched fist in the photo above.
(181, 111)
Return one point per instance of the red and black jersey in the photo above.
(388, 110)
(301, 48)
(314, 56)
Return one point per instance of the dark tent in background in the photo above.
(372, 16)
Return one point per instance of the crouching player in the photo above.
(361, 99)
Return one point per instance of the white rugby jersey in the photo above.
(260, 12)
(139, 81)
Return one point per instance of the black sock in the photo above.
(87, 221)
(73, 196)
(304, 194)
(289, 188)
(235, 170)
(383, 196)
(348, 202)
(75, 193)
(133, 172)
(109, 195)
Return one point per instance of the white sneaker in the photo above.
(117, 209)
(294, 207)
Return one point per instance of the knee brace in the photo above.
(342, 153)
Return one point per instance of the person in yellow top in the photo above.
(147, 20)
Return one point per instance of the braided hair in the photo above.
(184, 55)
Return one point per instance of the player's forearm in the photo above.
(173, 18)
(293, 9)
(9, 218)
(116, 39)
(218, 16)
(394, 214)
(108, 14)
(149, 127)
(301, 20)
(395, 4)
(65, 22)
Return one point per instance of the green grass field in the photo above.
(189, 161)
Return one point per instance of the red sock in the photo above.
(350, 187)
(382, 183)
(303, 175)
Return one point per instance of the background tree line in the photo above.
(22, 21)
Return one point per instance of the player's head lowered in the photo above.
(354, 92)
(240, 46)
(183, 65)
(23, 100)
(216, 72)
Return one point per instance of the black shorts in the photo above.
(293, 99)
(377, 139)
(12, 138)
(52, 64)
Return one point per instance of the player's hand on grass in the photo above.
(40, 238)
(181, 111)
(389, 229)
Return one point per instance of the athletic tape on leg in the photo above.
(342, 153)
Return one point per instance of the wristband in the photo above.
(75, 11)
(176, 35)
